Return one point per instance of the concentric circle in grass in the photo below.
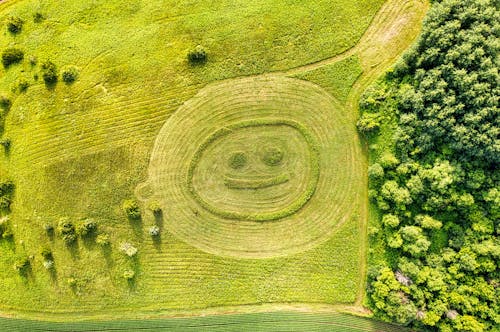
(288, 193)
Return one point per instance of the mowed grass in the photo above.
(280, 321)
(80, 150)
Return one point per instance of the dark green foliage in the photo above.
(38, 17)
(11, 56)
(131, 209)
(437, 181)
(22, 264)
(5, 229)
(67, 231)
(69, 75)
(22, 85)
(5, 103)
(46, 253)
(453, 74)
(88, 227)
(49, 72)
(197, 56)
(237, 160)
(14, 24)
(272, 156)
(369, 123)
(6, 194)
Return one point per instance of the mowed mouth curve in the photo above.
(259, 183)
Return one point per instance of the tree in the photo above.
(14, 24)
(49, 72)
(12, 56)
(197, 56)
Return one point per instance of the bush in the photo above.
(67, 231)
(46, 253)
(154, 230)
(22, 264)
(49, 72)
(49, 228)
(155, 207)
(14, 24)
(11, 56)
(102, 239)
(197, 56)
(5, 143)
(369, 123)
(38, 17)
(131, 209)
(128, 249)
(5, 103)
(69, 74)
(22, 85)
(87, 227)
(128, 274)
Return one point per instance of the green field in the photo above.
(243, 322)
(253, 157)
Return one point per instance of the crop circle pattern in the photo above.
(289, 130)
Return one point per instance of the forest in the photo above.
(432, 125)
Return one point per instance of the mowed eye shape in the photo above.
(237, 160)
(272, 156)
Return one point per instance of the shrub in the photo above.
(11, 56)
(49, 72)
(69, 74)
(5, 231)
(22, 85)
(390, 220)
(5, 203)
(5, 143)
(49, 228)
(67, 230)
(369, 123)
(197, 56)
(375, 172)
(155, 207)
(38, 17)
(14, 24)
(154, 230)
(87, 227)
(5, 103)
(131, 209)
(102, 239)
(128, 274)
(128, 249)
(22, 264)
(46, 253)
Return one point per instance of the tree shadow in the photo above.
(136, 267)
(106, 251)
(74, 249)
(136, 224)
(89, 241)
(157, 242)
(53, 275)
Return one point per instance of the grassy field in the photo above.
(135, 118)
(246, 322)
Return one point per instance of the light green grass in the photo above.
(263, 322)
(337, 78)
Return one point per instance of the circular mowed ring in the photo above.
(255, 167)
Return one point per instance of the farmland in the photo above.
(249, 164)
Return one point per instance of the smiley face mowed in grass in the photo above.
(258, 167)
